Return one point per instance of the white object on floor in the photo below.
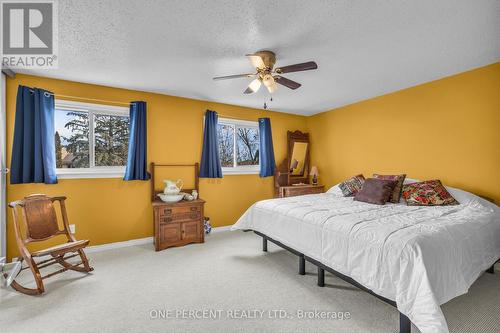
(420, 257)
(9, 271)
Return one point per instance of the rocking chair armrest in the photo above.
(60, 199)
(14, 204)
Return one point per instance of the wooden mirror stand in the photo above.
(290, 172)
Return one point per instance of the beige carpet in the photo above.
(228, 273)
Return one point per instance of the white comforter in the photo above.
(420, 257)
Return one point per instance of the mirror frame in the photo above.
(292, 137)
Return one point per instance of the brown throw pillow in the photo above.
(376, 191)
(396, 193)
(352, 185)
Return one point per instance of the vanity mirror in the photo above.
(292, 175)
(298, 154)
(298, 163)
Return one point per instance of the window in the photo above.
(91, 140)
(238, 146)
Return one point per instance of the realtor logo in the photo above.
(28, 34)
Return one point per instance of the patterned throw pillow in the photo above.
(352, 186)
(428, 193)
(396, 193)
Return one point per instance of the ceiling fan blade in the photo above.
(286, 82)
(305, 66)
(217, 78)
(256, 61)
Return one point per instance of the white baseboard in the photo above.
(139, 241)
(118, 245)
(132, 242)
(220, 229)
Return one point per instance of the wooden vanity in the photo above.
(291, 177)
(180, 223)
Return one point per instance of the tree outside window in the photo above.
(238, 146)
(80, 146)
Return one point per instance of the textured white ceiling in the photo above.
(363, 48)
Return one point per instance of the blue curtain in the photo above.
(210, 162)
(33, 150)
(137, 145)
(267, 162)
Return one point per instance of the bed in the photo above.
(414, 257)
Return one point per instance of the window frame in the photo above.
(92, 109)
(242, 169)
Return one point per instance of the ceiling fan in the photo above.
(264, 61)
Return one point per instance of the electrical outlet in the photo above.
(72, 228)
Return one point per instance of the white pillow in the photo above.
(335, 190)
(410, 180)
(464, 197)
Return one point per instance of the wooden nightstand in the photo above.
(178, 224)
(292, 191)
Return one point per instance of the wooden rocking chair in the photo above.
(40, 222)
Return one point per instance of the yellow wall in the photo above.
(447, 129)
(112, 210)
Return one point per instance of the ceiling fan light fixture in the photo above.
(254, 86)
(272, 88)
(269, 82)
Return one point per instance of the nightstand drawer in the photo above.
(173, 211)
(179, 214)
(292, 191)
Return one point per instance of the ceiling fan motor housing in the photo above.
(268, 57)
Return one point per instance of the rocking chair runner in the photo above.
(40, 221)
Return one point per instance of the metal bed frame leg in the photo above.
(404, 324)
(404, 321)
(321, 277)
(302, 265)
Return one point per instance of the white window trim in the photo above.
(243, 169)
(93, 171)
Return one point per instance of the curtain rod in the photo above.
(91, 99)
(232, 117)
(85, 98)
